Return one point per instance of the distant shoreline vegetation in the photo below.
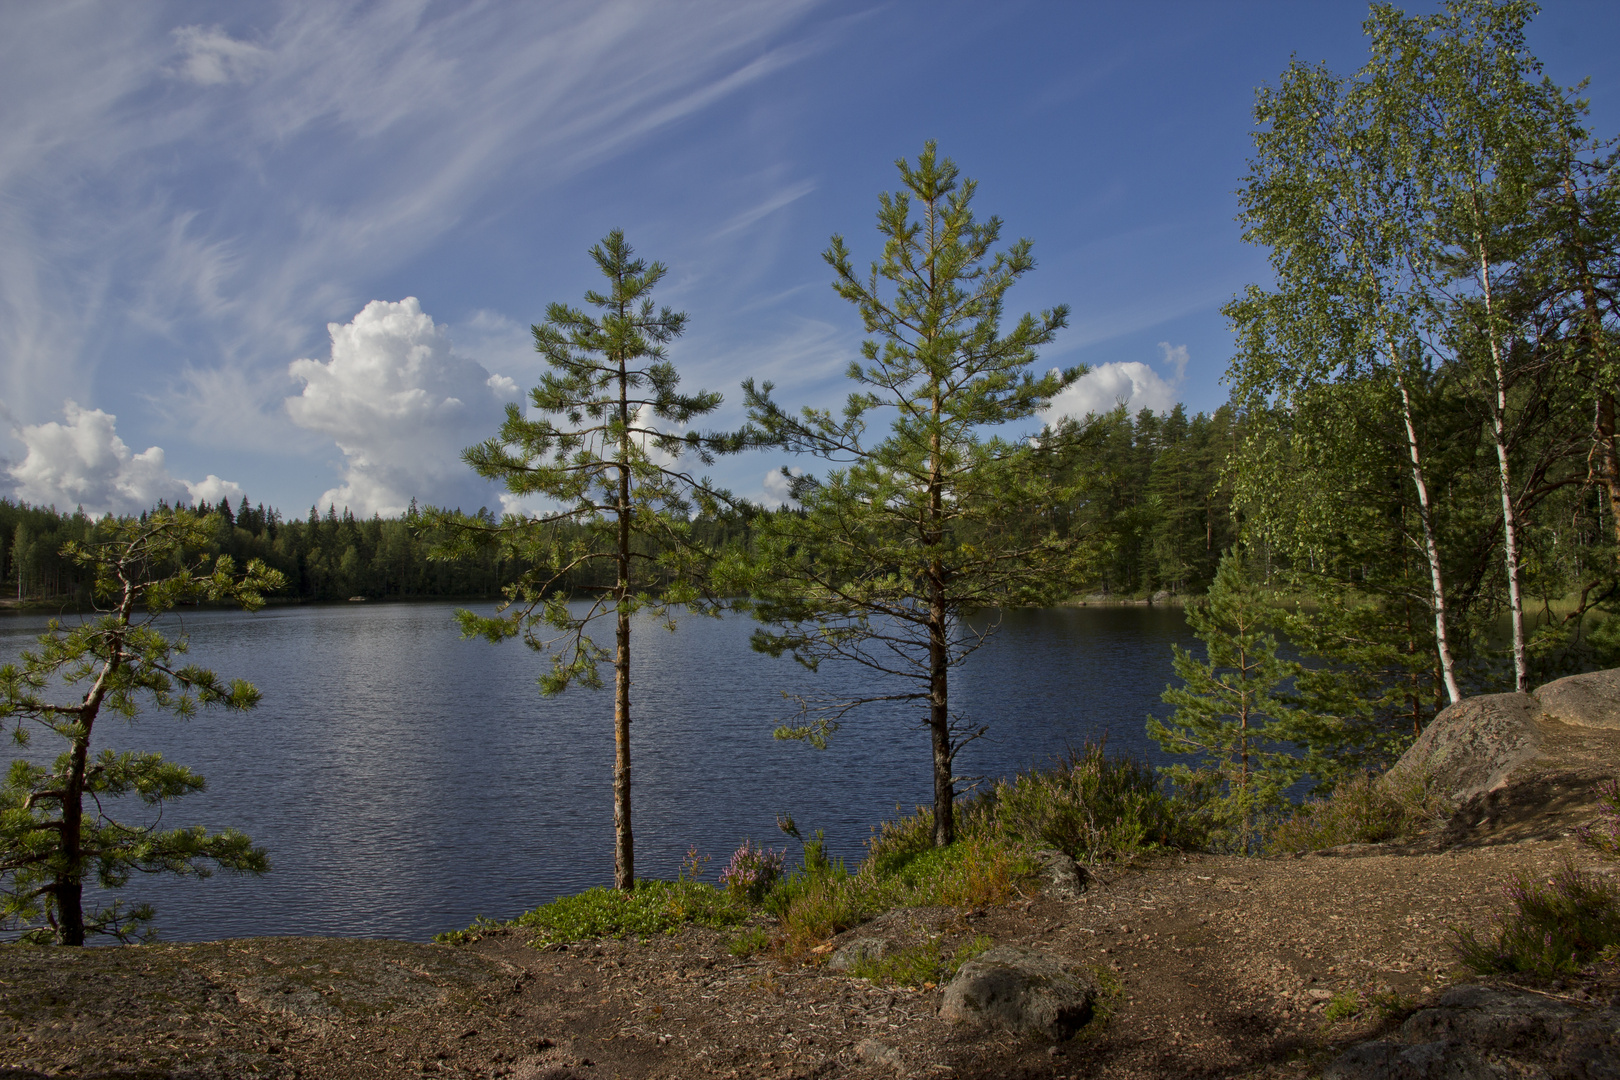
(1157, 506)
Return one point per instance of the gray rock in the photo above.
(1161, 597)
(857, 950)
(1061, 877)
(1479, 1031)
(1591, 700)
(875, 1053)
(1425, 1061)
(1021, 990)
(1473, 746)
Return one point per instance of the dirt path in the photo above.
(1221, 967)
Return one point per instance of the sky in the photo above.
(292, 250)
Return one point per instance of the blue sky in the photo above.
(190, 193)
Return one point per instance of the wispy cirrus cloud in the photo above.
(212, 191)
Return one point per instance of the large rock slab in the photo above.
(1591, 700)
(1480, 1031)
(1473, 747)
(1021, 990)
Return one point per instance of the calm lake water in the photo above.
(404, 780)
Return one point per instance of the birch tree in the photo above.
(1338, 191)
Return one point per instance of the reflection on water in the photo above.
(405, 780)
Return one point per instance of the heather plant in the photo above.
(1093, 807)
(1555, 927)
(1364, 810)
(751, 872)
(1604, 836)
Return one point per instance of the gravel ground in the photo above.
(1217, 966)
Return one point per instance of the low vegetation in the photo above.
(1088, 804)
(919, 965)
(1559, 925)
(1555, 927)
(1364, 810)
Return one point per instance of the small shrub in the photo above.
(480, 927)
(896, 842)
(1605, 835)
(1342, 1006)
(914, 965)
(1093, 806)
(1363, 810)
(1556, 927)
(654, 907)
(751, 872)
(750, 942)
(812, 909)
(919, 965)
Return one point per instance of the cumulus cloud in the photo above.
(776, 487)
(210, 56)
(83, 462)
(1131, 383)
(401, 406)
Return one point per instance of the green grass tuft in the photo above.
(750, 942)
(655, 907)
(918, 965)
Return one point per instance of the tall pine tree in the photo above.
(602, 450)
(929, 522)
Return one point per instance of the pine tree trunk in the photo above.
(624, 849)
(1610, 458)
(939, 724)
(68, 888)
(624, 853)
(939, 658)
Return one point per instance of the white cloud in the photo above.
(353, 138)
(775, 487)
(211, 56)
(83, 462)
(402, 407)
(1131, 383)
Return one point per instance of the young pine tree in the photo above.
(1229, 709)
(933, 520)
(601, 450)
(55, 828)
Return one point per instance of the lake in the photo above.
(404, 780)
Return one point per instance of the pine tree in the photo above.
(603, 451)
(1229, 709)
(930, 522)
(49, 843)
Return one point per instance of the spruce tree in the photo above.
(600, 454)
(55, 825)
(931, 522)
(1229, 709)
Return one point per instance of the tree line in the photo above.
(1155, 496)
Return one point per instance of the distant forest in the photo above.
(1149, 495)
